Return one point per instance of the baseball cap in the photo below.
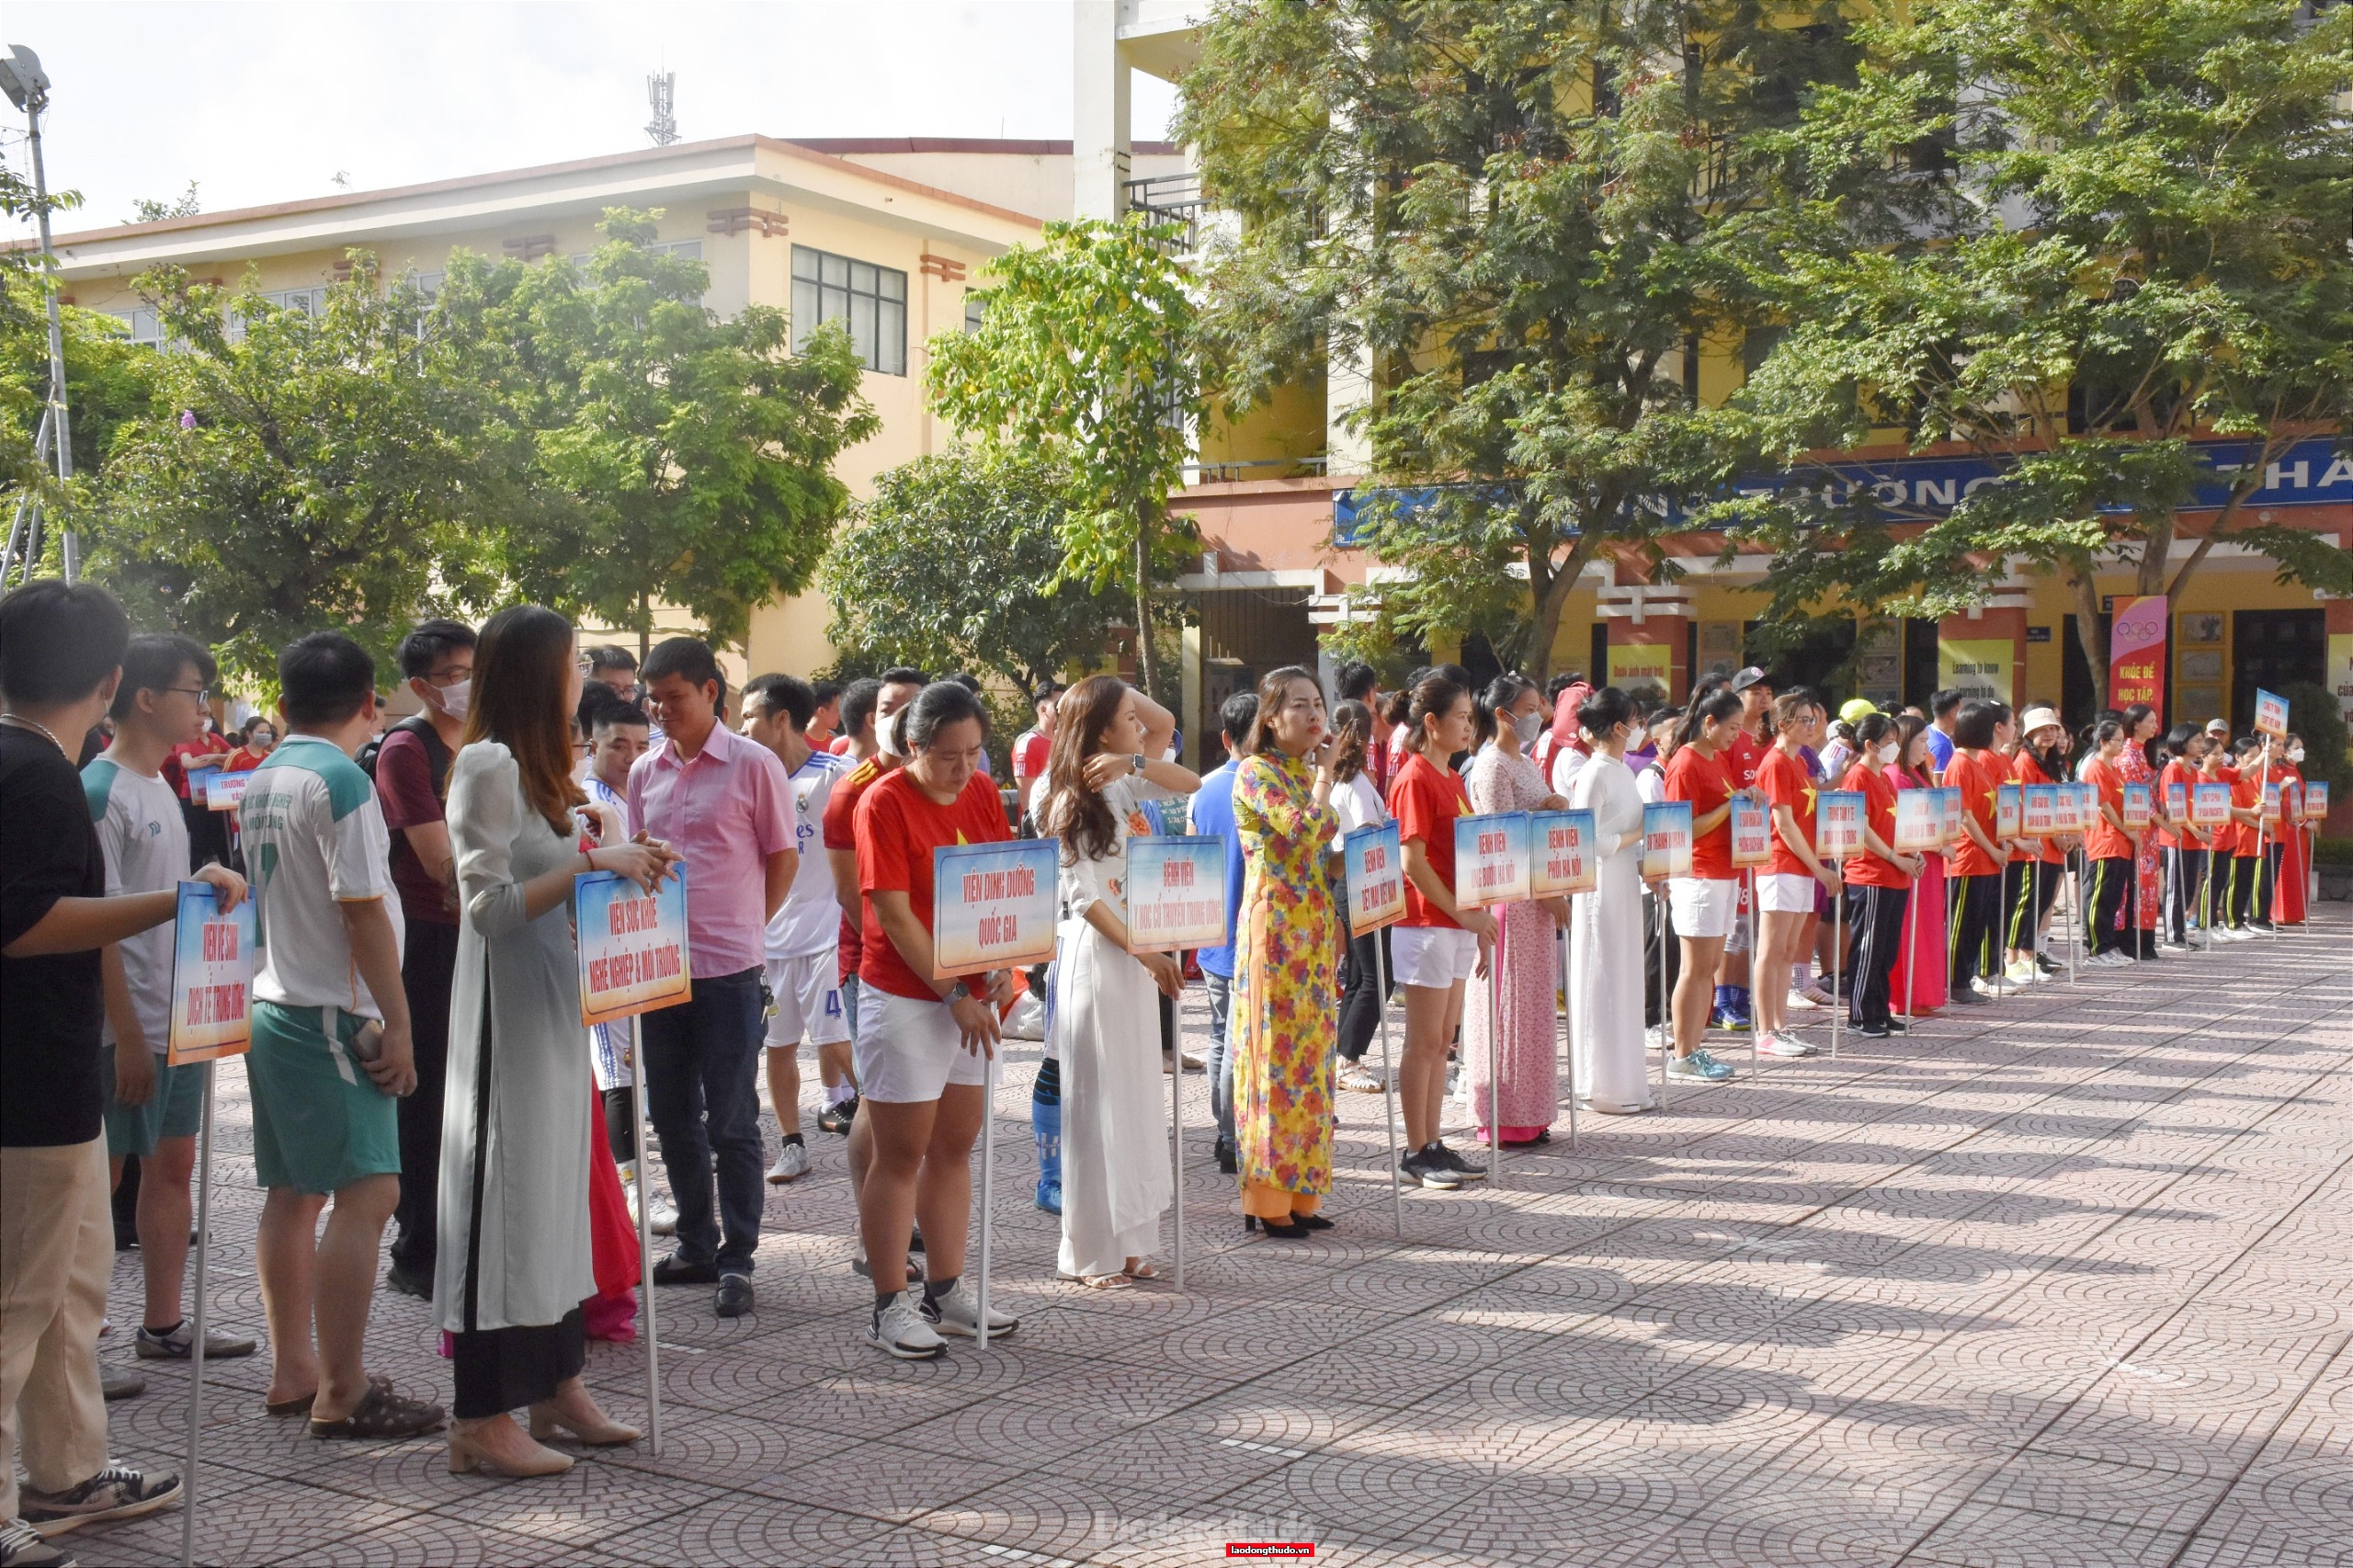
(1750, 676)
(1855, 710)
(2218, 726)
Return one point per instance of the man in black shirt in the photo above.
(60, 655)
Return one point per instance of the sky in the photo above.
(258, 103)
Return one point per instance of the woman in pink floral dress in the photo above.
(2141, 723)
(1503, 779)
(1287, 960)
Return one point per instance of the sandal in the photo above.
(1144, 1271)
(1102, 1281)
(384, 1413)
(302, 1406)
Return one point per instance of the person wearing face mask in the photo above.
(260, 739)
(412, 770)
(1507, 718)
(2292, 858)
(1879, 880)
(1606, 938)
(2042, 760)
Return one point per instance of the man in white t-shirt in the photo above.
(1033, 748)
(330, 1050)
(153, 1108)
(804, 990)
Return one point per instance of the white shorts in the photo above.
(1786, 893)
(1700, 906)
(1432, 956)
(907, 1050)
(808, 1002)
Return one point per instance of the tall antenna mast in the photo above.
(663, 126)
(28, 87)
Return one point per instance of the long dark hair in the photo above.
(2133, 717)
(1432, 695)
(1719, 702)
(1272, 690)
(522, 669)
(1075, 810)
(1912, 727)
(1352, 733)
(1487, 708)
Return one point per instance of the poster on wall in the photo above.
(2340, 677)
(1638, 664)
(2136, 652)
(1977, 667)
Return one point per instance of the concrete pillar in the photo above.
(1348, 388)
(1650, 637)
(1099, 144)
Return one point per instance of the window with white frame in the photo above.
(870, 301)
(311, 301)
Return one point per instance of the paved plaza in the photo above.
(2068, 1280)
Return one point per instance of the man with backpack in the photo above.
(412, 772)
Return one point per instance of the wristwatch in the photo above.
(1135, 760)
(959, 992)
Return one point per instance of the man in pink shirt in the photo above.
(724, 804)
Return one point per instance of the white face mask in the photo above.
(886, 739)
(1529, 726)
(1887, 754)
(2295, 754)
(455, 696)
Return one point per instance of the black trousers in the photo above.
(620, 1124)
(1976, 927)
(2029, 889)
(701, 1063)
(2249, 891)
(2185, 884)
(2110, 905)
(1662, 958)
(207, 834)
(428, 967)
(1874, 935)
(1361, 995)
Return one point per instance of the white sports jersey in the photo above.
(809, 920)
(145, 841)
(315, 839)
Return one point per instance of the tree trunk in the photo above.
(1143, 600)
(1544, 626)
(2083, 584)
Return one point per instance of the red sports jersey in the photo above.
(1977, 775)
(1425, 799)
(1786, 782)
(898, 827)
(1866, 870)
(2102, 839)
(1706, 782)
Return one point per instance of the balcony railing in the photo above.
(1169, 199)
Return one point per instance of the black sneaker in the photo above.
(1225, 1157)
(673, 1270)
(1458, 1164)
(118, 1492)
(2042, 961)
(1426, 1167)
(838, 1117)
(1967, 998)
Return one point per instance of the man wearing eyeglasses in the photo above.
(437, 660)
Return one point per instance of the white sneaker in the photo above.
(897, 1328)
(958, 1311)
(791, 1162)
(2022, 973)
(666, 1219)
(1782, 1045)
(1799, 1002)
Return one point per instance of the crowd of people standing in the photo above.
(417, 1064)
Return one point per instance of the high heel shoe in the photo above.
(1285, 1230)
(466, 1454)
(548, 1423)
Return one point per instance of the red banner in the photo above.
(2136, 652)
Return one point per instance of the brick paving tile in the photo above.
(2062, 1282)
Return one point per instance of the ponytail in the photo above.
(1432, 696)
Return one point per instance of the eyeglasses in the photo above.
(201, 694)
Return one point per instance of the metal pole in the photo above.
(2075, 913)
(1495, 1054)
(1175, 1125)
(1756, 951)
(2206, 896)
(1666, 1018)
(1837, 953)
(1912, 944)
(1568, 1029)
(196, 1347)
(645, 1236)
(2263, 855)
(1388, 1084)
(988, 1179)
(34, 104)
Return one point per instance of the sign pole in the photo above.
(645, 1234)
(1175, 1127)
(2262, 851)
(196, 1347)
(1755, 951)
(1838, 954)
(1388, 1085)
(1568, 1033)
(1496, 1051)
(1665, 1019)
(1912, 947)
(988, 1178)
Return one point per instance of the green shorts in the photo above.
(174, 1110)
(320, 1123)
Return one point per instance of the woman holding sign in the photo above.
(1286, 960)
(1702, 904)
(1104, 763)
(1879, 880)
(1606, 939)
(1978, 770)
(1439, 945)
(2292, 867)
(1920, 984)
(515, 1261)
(2042, 760)
(1507, 715)
(2181, 846)
(2112, 925)
(2137, 765)
(1786, 887)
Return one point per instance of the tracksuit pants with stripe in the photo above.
(2111, 905)
(1976, 925)
(2249, 890)
(1875, 934)
(2029, 889)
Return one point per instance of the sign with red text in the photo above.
(2271, 799)
(1560, 853)
(1176, 893)
(632, 945)
(226, 791)
(2209, 805)
(2009, 811)
(2178, 801)
(212, 978)
(1491, 859)
(2136, 652)
(1667, 839)
(2316, 801)
(2041, 818)
(1752, 836)
(2270, 712)
(1839, 824)
(1375, 864)
(992, 905)
(1949, 815)
(2137, 808)
(1919, 818)
(2069, 813)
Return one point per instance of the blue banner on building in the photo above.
(2310, 473)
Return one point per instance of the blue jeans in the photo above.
(1220, 989)
(701, 1067)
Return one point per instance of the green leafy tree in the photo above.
(1087, 346)
(654, 451)
(955, 563)
(1526, 218)
(2075, 237)
(294, 472)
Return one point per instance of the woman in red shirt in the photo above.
(923, 1044)
(1438, 945)
(2181, 846)
(2250, 898)
(1788, 883)
(1879, 880)
(2110, 848)
(2032, 892)
(1977, 771)
(2291, 864)
(1702, 904)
